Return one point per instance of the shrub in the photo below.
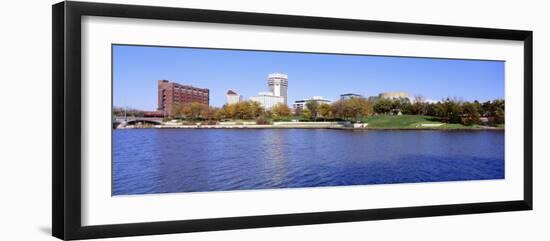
(262, 121)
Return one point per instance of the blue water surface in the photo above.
(196, 160)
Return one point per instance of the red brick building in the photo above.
(171, 94)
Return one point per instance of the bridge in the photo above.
(122, 122)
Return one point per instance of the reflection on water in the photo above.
(187, 160)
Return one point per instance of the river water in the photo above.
(196, 160)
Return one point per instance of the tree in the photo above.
(325, 110)
(419, 106)
(298, 112)
(338, 109)
(498, 105)
(212, 113)
(383, 106)
(451, 111)
(177, 111)
(357, 108)
(255, 109)
(306, 113)
(280, 110)
(402, 105)
(195, 110)
(229, 110)
(493, 109)
(313, 106)
(243, 110)
(487, 109)
(220, 114)
(499, 116)
(191, 111)
(471, 114)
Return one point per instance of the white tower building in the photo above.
(278, 85)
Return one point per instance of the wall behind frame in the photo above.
(25, 176)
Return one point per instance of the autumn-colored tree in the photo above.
(357, 108)
(192, 110)
(280, 110)
(255, 109)
(338, 109)
(212, 113)
(325, 110)
(245, 110)
(177, 111)
(198, 110)
(230, 110)
(242, 110)
(220, 114)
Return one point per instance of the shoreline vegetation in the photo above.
(373, 113)
(381, 122)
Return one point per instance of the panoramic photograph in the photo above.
(200, 120)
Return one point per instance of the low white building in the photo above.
(301, 104)
(232, 97)
(395, 95)
(268, 99)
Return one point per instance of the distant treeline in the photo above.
(447, 110)
(354, 109)
(130, 112)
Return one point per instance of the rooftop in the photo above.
(350, 94)
(278, 75)
(231, 92)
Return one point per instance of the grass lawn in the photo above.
(410, 122)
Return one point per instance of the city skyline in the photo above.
(136, 70)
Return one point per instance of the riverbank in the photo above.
(415, 122)
(380, 122)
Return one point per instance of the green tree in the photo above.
(471, 114)
(383, 106)
(313, 106)
(419, 106)
(499, 116)
(306, 113)
(499, 111)
(451, 111)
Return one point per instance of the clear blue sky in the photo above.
(136, 70)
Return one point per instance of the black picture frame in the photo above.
(66, 127)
